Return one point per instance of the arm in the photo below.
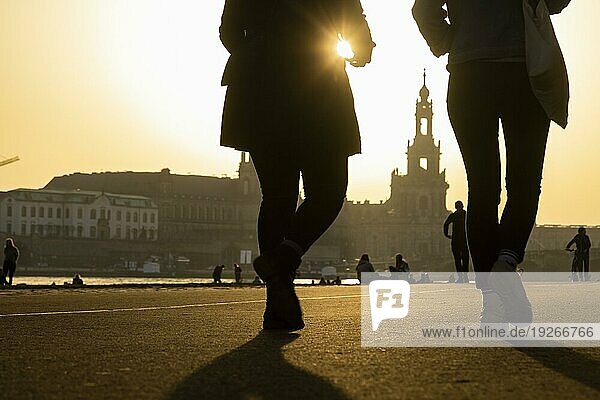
(571, 243)
(231, 30)
(447, 226)
(431, 20)
(355, 29)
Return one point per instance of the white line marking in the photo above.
(183, 306)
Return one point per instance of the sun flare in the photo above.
(344, 49)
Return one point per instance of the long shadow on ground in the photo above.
(256, 370)
(568, 362)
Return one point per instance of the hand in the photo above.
(358, 61)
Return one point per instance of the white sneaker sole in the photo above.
(507, 283)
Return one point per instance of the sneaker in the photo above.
(492, 310)
(506, 282)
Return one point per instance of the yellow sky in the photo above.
(97, 85)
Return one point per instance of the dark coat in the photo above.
(286, 84)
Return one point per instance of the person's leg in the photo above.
(279, 176)
(457, 260)
(474, 116)
(586, 266)
(525, 126)
(11, 273)
(325, 182)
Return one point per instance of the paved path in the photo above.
(205, 343)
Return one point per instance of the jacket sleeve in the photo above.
(231, 31)
(355, 29)
(556, 6)
(572, 242)
(431, 20)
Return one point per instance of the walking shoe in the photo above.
(506, 282)
(492, 310)
(282, 260)
(283, 309)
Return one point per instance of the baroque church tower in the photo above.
(421, 193)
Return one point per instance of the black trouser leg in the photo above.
(279, 179)
(479, 95)
(325, 181)
(325, 185)
(475, 119)
(525, 126)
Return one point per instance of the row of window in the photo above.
(49, 212)
(199, 213)
(71, 231)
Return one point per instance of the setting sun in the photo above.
(344, 49)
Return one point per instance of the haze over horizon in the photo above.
(113, 85)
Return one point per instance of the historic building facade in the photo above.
(78, 214)
(410, 221)
(207, 219)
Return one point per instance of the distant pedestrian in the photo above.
(237, 270)
(11, 255)
(401, 267)
(460, 249)
(364, 265)
(217, 272)
(77, 281)
(581, 262)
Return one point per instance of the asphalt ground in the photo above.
(206, 343)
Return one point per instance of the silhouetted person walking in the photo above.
(460, 249)
(11, 255)
(289, 104)
(217, 272)
(582, 253)
(489, 82)
(364, 265)
(237, 271)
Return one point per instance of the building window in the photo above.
(50, 210)
(92, 231)
(9, 228)
(108, 215)
(93, 213)
(58, 213)
(118, 215)
(9, 211)
(41, 212)
(135, 233)
(23, 229)
(128, 216)
(152, 218)
(102, 213)
(423, 163)
(135, 217)
(79, 213)
(128, 234)
(80, 231)
(23, 211)
(32, 212)
(118, 232)
(145, 218)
